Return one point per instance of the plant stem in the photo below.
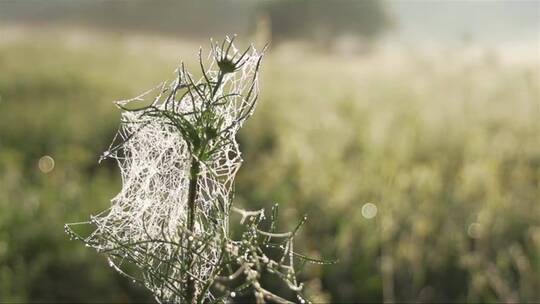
(192, 195)
(218, 83)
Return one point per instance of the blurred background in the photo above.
(407, 131)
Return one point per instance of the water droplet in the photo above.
(233, 294)
(104, 156)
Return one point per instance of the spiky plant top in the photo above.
(168, 228)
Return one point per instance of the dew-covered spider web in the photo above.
(147, 219)
(168, 227)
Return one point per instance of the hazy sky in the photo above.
(482, 20)
(491, 21)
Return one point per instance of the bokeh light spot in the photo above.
(474, 230)
(369, 210)
(46, 164)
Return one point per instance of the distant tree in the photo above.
(322, 21)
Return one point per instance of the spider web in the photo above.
(146, 224)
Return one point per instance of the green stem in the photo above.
(218, 83)
(192, 195)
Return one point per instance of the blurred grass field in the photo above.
(445, 148)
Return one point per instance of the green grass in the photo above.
(436, 144)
